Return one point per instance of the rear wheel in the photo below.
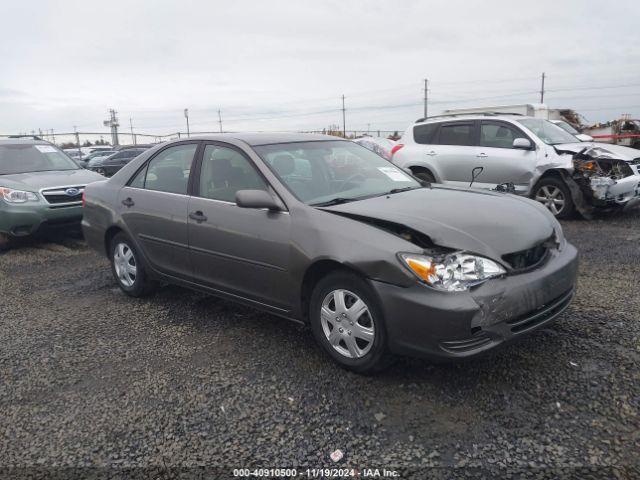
(127, 267)
(347, 321)
(554, 194)
(5, 242)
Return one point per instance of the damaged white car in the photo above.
(524, 155)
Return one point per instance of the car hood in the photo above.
(617, 151)
(34, 181)
(486, 223)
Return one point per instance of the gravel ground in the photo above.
(92, 378)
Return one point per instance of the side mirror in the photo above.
(583, 137)
(522, 144)
(256, 199)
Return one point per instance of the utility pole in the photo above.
(75, 132)
(113, 124)
(542, 89)
(220, 120)
(133, 137)
(53, 136)
(426, 96)
(186, 115)
(344, 123)
(368, 128)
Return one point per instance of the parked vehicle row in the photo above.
(539, 159)
(325, 232)
(108, 163)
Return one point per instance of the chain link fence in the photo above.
(87, 139)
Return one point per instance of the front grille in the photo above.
(59, 195)
(529, 258)
(542, 314)
(467, 345)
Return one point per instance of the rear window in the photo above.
(456, 134)
(423, 134)
(33, 158)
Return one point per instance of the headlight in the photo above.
(455, 272)
(17, 196)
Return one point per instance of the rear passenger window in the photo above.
(498, 135)
(423, 134)
(456, 134)
(169, 170)
(138, 180)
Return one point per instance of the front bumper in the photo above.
(423, 322)
(22, 220)
(620, 191)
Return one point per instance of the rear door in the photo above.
(502, 163)
(241, 251)
(456, 151)
(154, 206)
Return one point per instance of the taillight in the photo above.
(396, 148)
(82, 199)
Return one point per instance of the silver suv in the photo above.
(530, 156)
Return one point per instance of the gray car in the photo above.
(323, 231)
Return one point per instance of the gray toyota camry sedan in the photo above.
(323, 231)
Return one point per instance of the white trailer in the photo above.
(537, 110)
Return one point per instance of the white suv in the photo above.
(540, 159)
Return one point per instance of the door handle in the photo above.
(431, 153)
(127, 202)
(482, 155)
(198, 216)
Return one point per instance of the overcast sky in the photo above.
(271, 65)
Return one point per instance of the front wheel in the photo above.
(127, 267)
(347, 321)
(554, 194)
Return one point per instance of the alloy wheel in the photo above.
(347, 323)
(552, 198)
(125, 264)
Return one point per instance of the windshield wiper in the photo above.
(333, 201)
(398, 190)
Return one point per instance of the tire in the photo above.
(127, 267)
(550, 191)
(424, 175)
(361, 352)
(5, 242)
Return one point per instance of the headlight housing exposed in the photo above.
(17, 196)
(454, 272)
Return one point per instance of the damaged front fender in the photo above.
(598, 180)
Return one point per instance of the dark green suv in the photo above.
(40, 187)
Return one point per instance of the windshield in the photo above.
(33, 158)
(333, 171)
(567, 127)
(548, 132)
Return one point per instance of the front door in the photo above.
(154, 206)
(500, 161)
(241, 251)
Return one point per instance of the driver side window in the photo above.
(498, 135)
(225, 171)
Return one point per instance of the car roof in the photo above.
(22, 141)
(268, 138)
(470, 116)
